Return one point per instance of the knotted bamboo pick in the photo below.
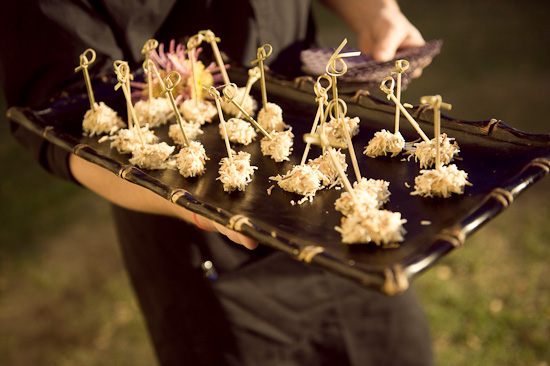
(230, 91)
(332, 70)
(122, 71)
(321, 98)
(253, 75)
(150, 67)
(84, 63)
(436, 102)
(401, 67)
(211, 38)
(192, 44)
(389, 92)
(169, 83)
(149, 46)
(214, 93)
(262, 56)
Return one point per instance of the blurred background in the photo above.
(65, 298)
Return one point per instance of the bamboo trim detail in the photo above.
(176, 194)
(124, 170)
(307, 253)
(455, 236)
(236, 222)
(502, 195)
(78, 148)
(396, 280)
(542, 163)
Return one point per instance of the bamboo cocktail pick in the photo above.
(84, 63)
(169, 83)
(262, 56)
(214, 93)
(389, 92)
(150, 68)
(230, 91)
(436, 102)
(192, 44)
(401, 67)
(321, 140)
(254, 74)
(332, 70)
(211, 38)
(122, 71)
(149, 46)
(321, 98)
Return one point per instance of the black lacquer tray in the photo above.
(501, 163)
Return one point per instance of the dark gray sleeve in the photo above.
(40, 48)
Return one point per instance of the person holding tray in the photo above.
(206, 299)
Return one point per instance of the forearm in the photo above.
(358, 14)
(380, 26)
(134, 197)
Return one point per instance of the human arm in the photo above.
(134, 197)
(39, 62)
(380, 26)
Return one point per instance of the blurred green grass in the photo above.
(65, 298)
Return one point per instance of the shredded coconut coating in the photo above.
(270, 118)
(191, 159)
(334, 129)
(237, 175)
(370, 194)
(192, 131)
(198, 111)
(126, 140)
(327, 168)
(250, 104)
(372, 226)
(155, 112)
(280, 147)
(365, 200)
(151, 156)
(239, 131)
(103, 120)
(301, 179)
(441, 182)
(425, 152)
(384, 143)
(379, 187)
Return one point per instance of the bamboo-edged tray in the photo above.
(501, 163)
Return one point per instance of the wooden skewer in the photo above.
(211, 38)
(149, 46)
(170, 82)
(122, 70)
(192, 44)
(436, 102)
(333, 71)
(401, 67)
(84, 63)
(214, 93)
(321, 140)
(334, 107)
(389, 92)
(230, 91)
(254, 75)
(321, 98)
(262, 56)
